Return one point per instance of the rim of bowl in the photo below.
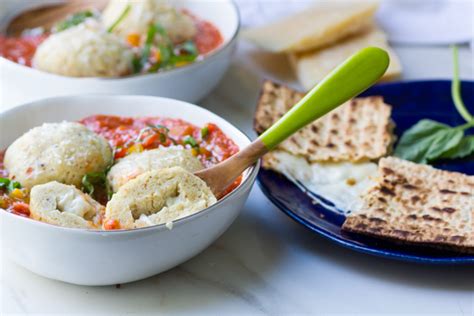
(218, 51)
(251, 174)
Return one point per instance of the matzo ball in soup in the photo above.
(62, 152)
(136, 164)
(85, 50)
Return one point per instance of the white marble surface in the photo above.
(266, 264)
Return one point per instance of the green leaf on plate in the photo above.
(464, 149)
(427, 140)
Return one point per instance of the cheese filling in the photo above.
(338, 186)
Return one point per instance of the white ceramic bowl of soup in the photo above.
(89, 257)
(21, 84)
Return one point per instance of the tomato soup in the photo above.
(22, 49)
(128, 135)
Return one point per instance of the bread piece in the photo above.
(312, 67)
(322, 24)
(158, 197)
(359, 130)
(418, 204)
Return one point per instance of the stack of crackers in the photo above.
(324, 35)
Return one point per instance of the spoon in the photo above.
(48, 15)
(356, 74)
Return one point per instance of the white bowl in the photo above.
(20, 84)
(102, 258)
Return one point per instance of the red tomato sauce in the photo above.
(20, 49)
(208, 37)
(17, 202)
(123, 133)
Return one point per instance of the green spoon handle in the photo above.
(353, 76)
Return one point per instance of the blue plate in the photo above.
(411, 102)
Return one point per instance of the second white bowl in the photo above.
(189, 83)
(112, 257)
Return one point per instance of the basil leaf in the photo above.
(90, 180)
(427, 140)
(189, 140)
(140, 62)
(162, 127)
(464, 149)
(73, 20)
(409, 146)
(4, 183)
(13, 185)
(9, 185)
(148, 42)
(444, 141)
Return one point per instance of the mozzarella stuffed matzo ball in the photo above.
(142, 14)
(158, 197)
(136, 164)
(62, 152)
(85, 50)
(64, 205)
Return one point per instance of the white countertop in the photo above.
(266, 263)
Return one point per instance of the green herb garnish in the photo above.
(428, 140)
(148, 43)
(93, 179)
(161, 130)
(120, 18)
(189, 48)
(14, 185)
(166, 49)
(204, 132)
(9, 185)
(463, 149)
(73, 20)
(140, 62)
(170, 55)
(4, 183)
(191, 141)
(97, 181)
